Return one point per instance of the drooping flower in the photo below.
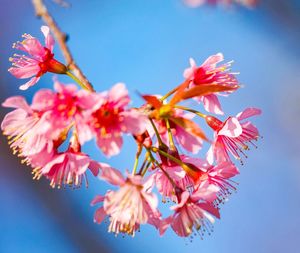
(232, 136)
(193, 212)
(38, 61)
(209, 73)
(67, 168)
(130, 206)
(182, 136)
(110, 118)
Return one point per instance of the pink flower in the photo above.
(130, 206)
(232, 135)
(26, 128)
(38, 61)
(182, 180)
(66, 168)
(65, 107)
(109, 119)
(220, 175)
(193, 212)
(187, 140)
(209, 73)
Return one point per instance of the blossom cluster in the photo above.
(49, 134)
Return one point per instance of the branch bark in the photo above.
(42, 11)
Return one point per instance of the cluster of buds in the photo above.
(49, 133)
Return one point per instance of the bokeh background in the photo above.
(147, 44)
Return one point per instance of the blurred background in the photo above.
(147, 44)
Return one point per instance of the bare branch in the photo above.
(41, 11)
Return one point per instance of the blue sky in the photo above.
(147, 44)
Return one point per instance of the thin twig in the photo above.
(41, 11)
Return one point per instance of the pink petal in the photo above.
(232, 128)
(164, 224)
(111, 175)
(34, 47)
(184, 198)
(210, 209)
(133, 122)
(212, 104)
(188, 141)
(59, 159)
(110, 145)
(207, 192)
(225, 170)
(30, 83)
(97, 200)
(49, 41)
(17, 102)
(213, 60)
(189, 72)
(249, 112)
(100, 214)
(25, 72)
(119, 94)
(43, 100)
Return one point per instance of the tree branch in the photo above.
(41, 11)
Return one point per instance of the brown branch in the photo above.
(41, 11)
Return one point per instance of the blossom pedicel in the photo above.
(49, 135)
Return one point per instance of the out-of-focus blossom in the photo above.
(197, 3)
(38, 61)
(209, 73)
(109, 118)
(130, 206)
(232, 136)
(193, 212)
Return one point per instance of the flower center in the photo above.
(106, 117)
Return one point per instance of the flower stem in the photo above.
(76, 80)
(172, 158)
(171, 140)
(191, 110)
(136, 160)
(153, 160)
(160, 142)
(169, 94)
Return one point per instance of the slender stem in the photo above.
(191, 110)
(136, 161)
(42, 11)
(169, 94)
(171, 140)
(153, 160)
(146, 167)
(172, 158)
(160, 142)
(77, 80)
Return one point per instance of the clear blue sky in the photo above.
(147, 44)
